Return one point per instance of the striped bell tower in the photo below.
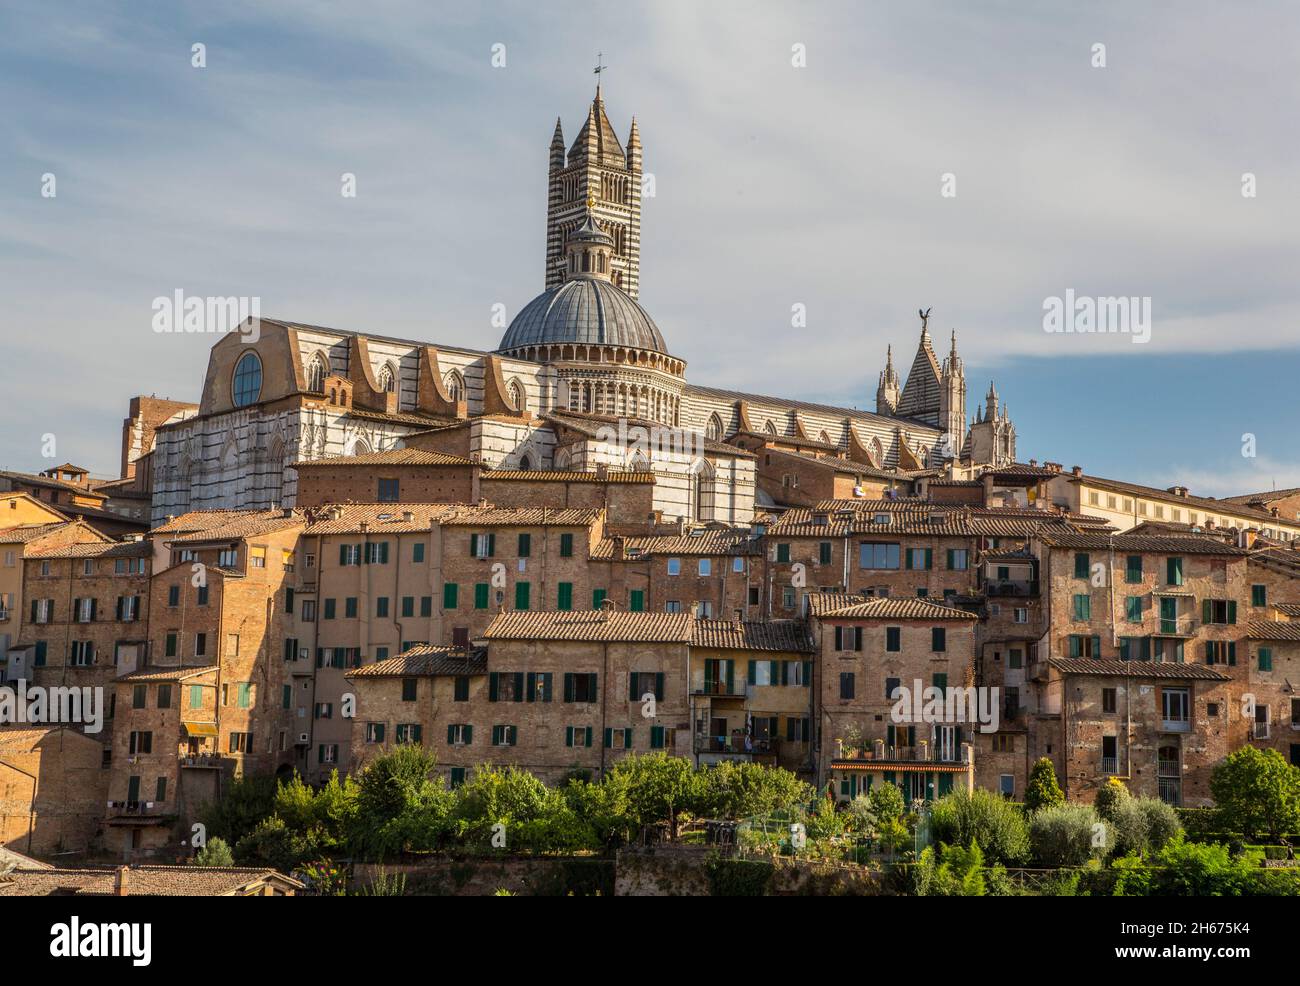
(598, 170)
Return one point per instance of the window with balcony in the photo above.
(1176, 709)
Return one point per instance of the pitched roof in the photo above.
(561, 476)
(786, 404)
(146, 881)
(178, 673)
(243, 524)
(838, 605)
(592, 625)
(1268, 496)
(774, 635)
(705, 542)
(1138, 669)
(489, 516)
(1209, 504)
(1191, 544)
(379, 518)
(27, 533)
(97, 549)
(46, 481)
(424, 660)
(1273, 630)
(202, 521)
(393, 457)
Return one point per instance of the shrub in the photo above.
(861, 818)
(1110, 796)
(1043, 791)
(1162, 822)
(1130, 827)
(1067, 835)
(215, 853)
(737, 790)
(986, 819)
(887, 802)
(1196, 869)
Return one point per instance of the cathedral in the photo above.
(581, 379)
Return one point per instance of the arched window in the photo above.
(518, 396)
(455, 385)
(525, 463)
(713, 430)
(359, 447)
(246, 387)
(877, 452)
(317, 370)
(824, 438)
(387, 379)
(770, 428)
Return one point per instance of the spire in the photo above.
(557, 147)
(887, 389)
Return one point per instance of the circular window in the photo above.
(248, 379)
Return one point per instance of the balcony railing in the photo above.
(1010, 587)
(1261, 730)
(908, 754)
(1180, 626)
(1176, 725)
(1171, 791)
(720, 688)
(1110, 765)
(1168, 768)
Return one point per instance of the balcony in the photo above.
(921, 753)
(1176, 725)
(1260, 731)
(1168, 768)
(1180, 626)
(1110, 765)
(208, 761)
(719, 689)
(1023, 589)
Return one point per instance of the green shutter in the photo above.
(481, 590)
(519, 686)
(568, 736)
(659, 686)
(636, 602)
(494, 684)
(609, 737)
(1206, 610)
(1232, 611)
(450, 595)
(522, 592)
(597, 598)
(565, 599)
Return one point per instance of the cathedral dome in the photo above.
(587, 310)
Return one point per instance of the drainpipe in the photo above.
(604, 688)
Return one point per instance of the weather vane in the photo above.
(599, 66)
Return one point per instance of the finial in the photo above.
(925, 318)
(600, 67)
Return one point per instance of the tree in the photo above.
(1042, 790)
(887, 802)
(215, 853)
(737, 790)
(1257, 791)
(1110, 796)
(658, 786)
(398, 807)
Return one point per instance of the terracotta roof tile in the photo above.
(775, 635)
(1062, 537)
(393, 457)
(145, 881)
(379, 518)
(837, 605)
(591, 625)
(1138, 669)
(1273, 630)
(178, 673)
(561, 476)
(424, 660)
(93, 549)
(710, 543)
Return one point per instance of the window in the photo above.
(938, 639)
(738, 565)
(504, 735)
(1265, 658)
(417, 552)
(958, 559)
(381, 607)
(450, 595)
(139, 696)
(226, 558)
(324, 710)
(1259, 595)
(1174, 571)
(876, 555)
(1219, 611)
(783, 553)
(1108, 700)
(482, 545)
(1133, 609)
(1133, 569)
(164, 696)
(326, 753)
(408, 732)
(82, 654)
(1175, 706)
(460, 734)
(848, 638)
(460, 688)
(374, 732)
(376, 553)
(564, 599)
(525, 545)
(674, 566)
(1082, 607)
(1082, 565)
(170, 645)
(706, 566)
(1015, 659)
(173, 595)
(847, 685)
(196, 696)
(246, 386)
(349, 554)
(636, 601)
(1082, 645)
(140, 741)
(1004, 743)
(566, 545)
(523, 590)
(309, 610)
(619, 739)
(410, 688)
(1020, 614)
(579, 687)
(1007, 785)
(350, 608)
(917, 559)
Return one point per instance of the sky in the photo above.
(854, 161)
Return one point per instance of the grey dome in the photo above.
(583, 310)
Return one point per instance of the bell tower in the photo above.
(598, 170)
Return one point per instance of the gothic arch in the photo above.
(454, 384)
(387, 378)
(318, 368)
(713, 430)
(518, 395)
(770, 427)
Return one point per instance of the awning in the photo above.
(1180, 593)
(197, 729)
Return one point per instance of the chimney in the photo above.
(740, 616)
(121, 881)
(287, 512)
(620, 546)
(1076, 470)
(408, 516)
(602, 470)
(1033, 462)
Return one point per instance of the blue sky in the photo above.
(775, 186)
